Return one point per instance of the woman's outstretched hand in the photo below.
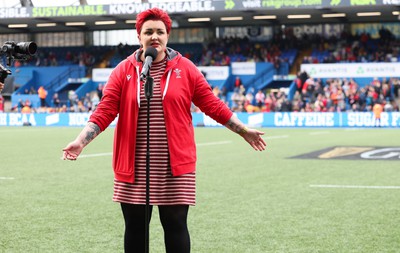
(254, 138)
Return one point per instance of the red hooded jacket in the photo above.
(181, 84)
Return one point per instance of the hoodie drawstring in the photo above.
(138, 85)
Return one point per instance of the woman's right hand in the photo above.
(72, 151)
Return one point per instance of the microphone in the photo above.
(150, 55)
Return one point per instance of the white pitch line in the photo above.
(276, 137)
(352, 129)
(199, 145)
(354, 186)
(6, 178)
(318, 133)
(95, 155)
(213, 143)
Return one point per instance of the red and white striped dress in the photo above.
(164, 188)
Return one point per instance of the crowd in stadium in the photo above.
(316, 95)
(330, 95)
(343, 49)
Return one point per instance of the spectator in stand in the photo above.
(100, 88)
(340, 98)
(297, 102)
(388, 107)
(260, 98)
(362, 98)
(285, 104)
(386, 92)
(87, 102)
(269, 105)
(372, 96)
(73, 101)
(250, 108)
(395, 106)
(27, 107)
(68, 57)
(353, 108)
(277, 62)
(56, 102)
(350, 100)
(242, 90)
(238, 82)
(226, 60)
(1, 86)
(19, 106)
(172, 147)
(217, 92)
(236, 100)
(395, 84)
(377, 110)
(377, 86)
(224, 92)
(31, 91)
(308, 90)
(242, 102)
(64, 108)
(317, 90)
(249, 98)
(319, 104)
(308, 107)
(300, 79)
(42, 93)
(95, 101)
(81, 107)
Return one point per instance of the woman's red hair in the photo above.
(153, 14)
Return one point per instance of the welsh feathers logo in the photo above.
(178, 73)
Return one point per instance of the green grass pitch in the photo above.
(247, 201)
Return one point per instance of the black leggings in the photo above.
(173, 219)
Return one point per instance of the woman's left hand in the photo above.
(254, 138)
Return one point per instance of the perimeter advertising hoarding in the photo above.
(182, 7)
(352, 70)
(278, 119)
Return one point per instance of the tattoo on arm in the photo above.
(237, 128)
(92, 131)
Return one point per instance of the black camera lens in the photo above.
(27, 48)
(5, 48)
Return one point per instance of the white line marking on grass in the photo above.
(213, 143)
(352, 129)
(21, 129)
(276, 137)
(6, 178)
(109, 154)
(318, 133)
(94, 155)
(354, 186)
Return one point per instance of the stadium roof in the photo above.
(42, 15)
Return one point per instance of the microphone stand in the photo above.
(148, 91)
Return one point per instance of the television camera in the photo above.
(15, 51)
